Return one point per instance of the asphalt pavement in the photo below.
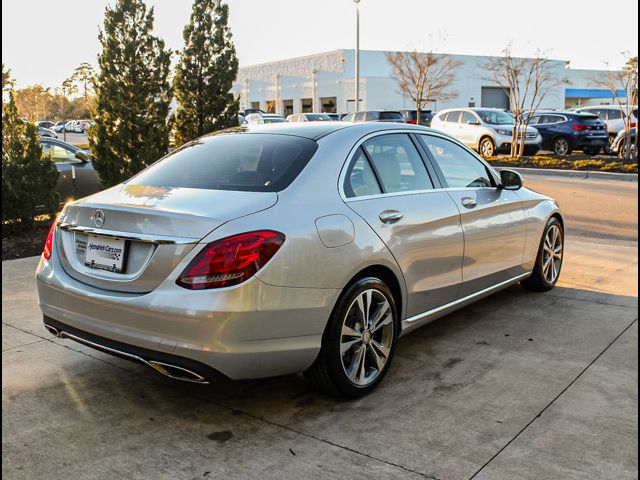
(516, 386)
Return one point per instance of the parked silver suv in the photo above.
(487, 130)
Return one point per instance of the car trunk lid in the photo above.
(158, 225)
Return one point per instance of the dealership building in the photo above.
(325, 82)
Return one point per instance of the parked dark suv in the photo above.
(409, 116)
(562, 132)
(374, 116)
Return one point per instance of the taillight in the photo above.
(580, 128)
(632, 125)
(412, 122)
(231, 260)
(48, 243)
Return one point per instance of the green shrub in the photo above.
(28, 180)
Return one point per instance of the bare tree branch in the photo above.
(423, 77)
(527, 82)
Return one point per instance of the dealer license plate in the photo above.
(105, 253)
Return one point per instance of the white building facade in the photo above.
(325, 82)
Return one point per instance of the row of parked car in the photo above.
(73, 126)
(490, 131)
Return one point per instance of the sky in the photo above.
(43, 41)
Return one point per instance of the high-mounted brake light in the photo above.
(231, 260)
(48, 244)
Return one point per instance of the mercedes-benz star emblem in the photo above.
(98, 218)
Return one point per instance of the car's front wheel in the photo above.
(549, 260)
(487, 148)
(358, 342)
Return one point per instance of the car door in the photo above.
(493, 219)
(388, 184)
(468, 127)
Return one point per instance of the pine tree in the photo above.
(133, 93)
(205, 74)
(28, 180)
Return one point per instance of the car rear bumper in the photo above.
(586, 142)
(253, 330)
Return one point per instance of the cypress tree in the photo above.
(205, 74)
(133, 93)
(28, 180)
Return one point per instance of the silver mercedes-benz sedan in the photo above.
(275, 249)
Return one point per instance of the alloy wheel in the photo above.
(552, 254)
(486, 148)
(561, 146)
(367, 337)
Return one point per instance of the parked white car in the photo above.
(486, 130)
(259, 118)
(309, 117)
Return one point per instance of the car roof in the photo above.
(317, 130)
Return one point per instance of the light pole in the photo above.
(357, 2)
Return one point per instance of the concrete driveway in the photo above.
(517, 386)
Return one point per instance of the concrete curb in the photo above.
(583, 174)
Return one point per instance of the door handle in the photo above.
(390, 216)
(468, 202)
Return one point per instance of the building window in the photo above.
(288, 107)
(307, 105)
(271, 106)
(255, 105)
(328, 104)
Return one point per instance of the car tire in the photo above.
(487, 148)
(546, 271)
(352, 362)
(562, 146)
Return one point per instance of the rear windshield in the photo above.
(241, 162)
(390, 116)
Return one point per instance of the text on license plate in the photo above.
(105, 253)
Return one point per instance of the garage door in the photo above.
(494, 97)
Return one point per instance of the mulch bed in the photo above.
(25, 244)
(572, 162)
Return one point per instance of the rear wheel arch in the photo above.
(389, 277)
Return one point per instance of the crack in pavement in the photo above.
(584, 370)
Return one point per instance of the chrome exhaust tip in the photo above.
(53, 330)
(175, 372)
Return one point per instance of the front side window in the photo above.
(361, 181)
(459, 167)
(496, 117)
(241, 162)
(397, 163)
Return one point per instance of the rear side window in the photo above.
(397, 163)
(361, 181)
(469, 118)
(242, 162)
(453, 116)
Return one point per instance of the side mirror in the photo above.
(510, 180)
(473, 122)
(83, 157)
